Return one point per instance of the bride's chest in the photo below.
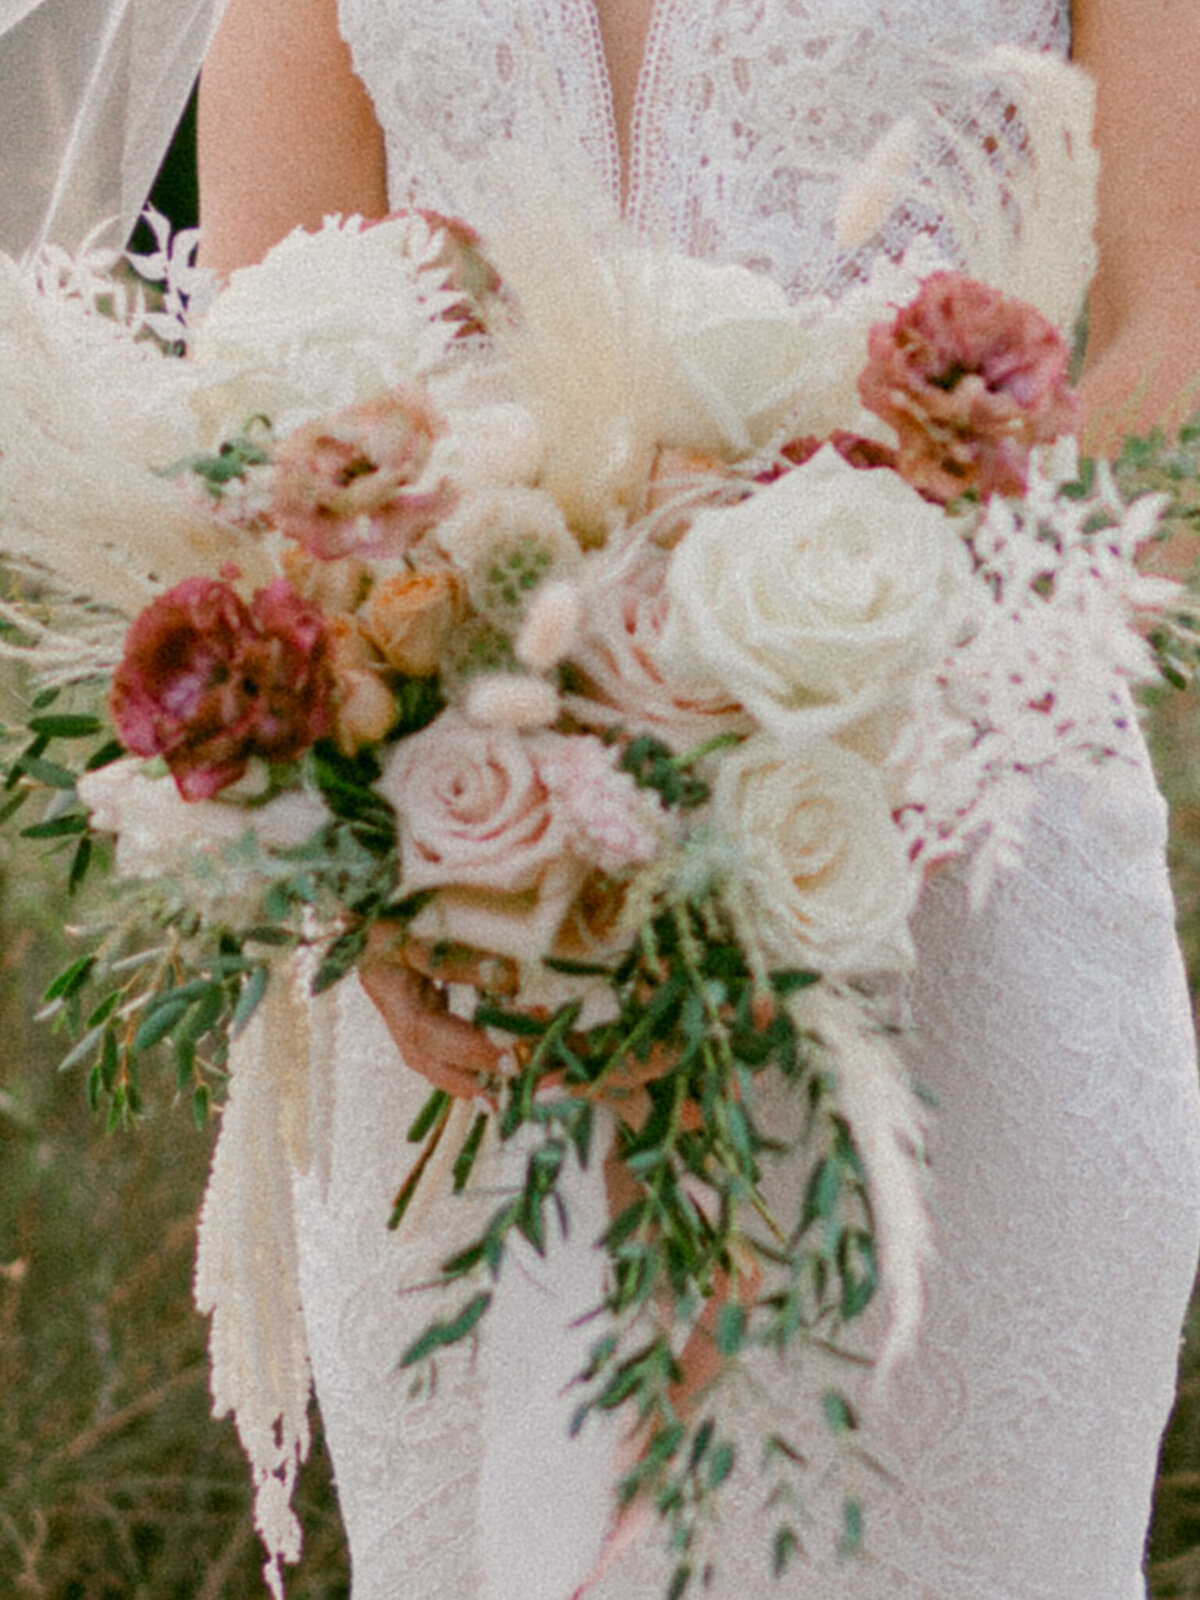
(690, 111)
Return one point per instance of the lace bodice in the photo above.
(750, 114)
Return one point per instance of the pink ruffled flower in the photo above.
(854, 448)
(611, 821)
(207, 682)
(971, 381)
(346, 485)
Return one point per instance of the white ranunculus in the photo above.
(819, 856)
(813, 601)
(726, 359)
(324, 321)
(160, 834)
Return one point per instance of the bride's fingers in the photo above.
(497, 974)
(450, 1053)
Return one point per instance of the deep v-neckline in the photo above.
(625, 132)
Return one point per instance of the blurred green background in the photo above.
(115, 1482)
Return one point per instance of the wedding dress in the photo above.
(1018, 1443)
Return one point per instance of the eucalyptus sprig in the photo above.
(681, 1063)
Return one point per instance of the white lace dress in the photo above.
(1054, 1027)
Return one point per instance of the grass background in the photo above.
(115, 1482)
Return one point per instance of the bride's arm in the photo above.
(1144, 342)
(287, 133)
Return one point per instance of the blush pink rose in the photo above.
(472, 808)
(971, 381)
(620, 655)
(207, 682)
(347, 485)
(478, 824)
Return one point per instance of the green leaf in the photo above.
(852, 1529)
(93, 1088)
(106, 755)
(700, 1443)
(71, 980)
(489, 1016)
(14, 804)
(209, 1001)
(465, 1159)
(201, 1101)
(785, 1547)
(731, 1328)
(442, 1334)
(680, 1579)
(104, 1008)
(163, 1012)
(720, 1464)
(251, 993)
(57, 828)
(109, 1060)
(47, 772)
(66, 726)
(341, 956)
(838, 1412)
(429, 1113)
(80, 862)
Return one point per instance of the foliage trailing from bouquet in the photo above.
(600, 637)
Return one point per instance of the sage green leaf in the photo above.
(442, 1334)
(248, 999)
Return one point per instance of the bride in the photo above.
(1016, 1447)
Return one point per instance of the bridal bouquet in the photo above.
(597, 651)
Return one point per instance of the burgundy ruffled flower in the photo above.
(971, 381)
(346, 485)
(207, 682)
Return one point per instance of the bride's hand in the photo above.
(449, 1052)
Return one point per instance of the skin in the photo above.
(1144, 342)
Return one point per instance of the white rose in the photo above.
(159, 833)
(723, 353)
(478, 824)
(727, 359)
(819, 855)
(326, 320)
(813, 601)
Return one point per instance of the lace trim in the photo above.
(749, 115)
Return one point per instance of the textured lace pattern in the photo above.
(1020, 1439)
(1054, 1027)
(750, 114)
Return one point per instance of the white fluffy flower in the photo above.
(612, 822)
(159, 833)
(821, 860)
(326, 320)
(506, 542)
(813, 601)
(550, 625)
